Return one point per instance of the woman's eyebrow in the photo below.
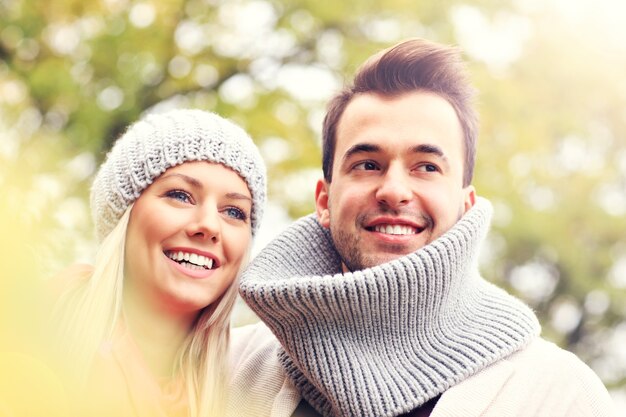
(197, 184)
(190, 180)
(238, 196)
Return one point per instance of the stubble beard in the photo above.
(347, 246)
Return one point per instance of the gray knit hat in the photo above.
(161, 141)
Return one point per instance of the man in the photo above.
(376, 299)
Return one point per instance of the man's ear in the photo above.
(321, 203)
(470, 198)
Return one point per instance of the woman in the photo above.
(175, 204)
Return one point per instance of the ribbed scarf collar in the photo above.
(384, 340)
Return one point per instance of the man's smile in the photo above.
(395, 226)
(397, 229)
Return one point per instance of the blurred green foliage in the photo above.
(552, 151)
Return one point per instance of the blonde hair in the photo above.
(87, 315)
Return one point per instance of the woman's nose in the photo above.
(205, 225)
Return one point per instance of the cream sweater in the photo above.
(541, 380)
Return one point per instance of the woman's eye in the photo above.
(366, 166)
(179, 195)
(236, 213)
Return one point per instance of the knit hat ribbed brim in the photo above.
(161, 141)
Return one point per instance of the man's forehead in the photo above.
(361, 108)
(400, 123)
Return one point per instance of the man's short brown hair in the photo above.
(412, 65)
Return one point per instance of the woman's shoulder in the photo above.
(77, 271)
(68, 279)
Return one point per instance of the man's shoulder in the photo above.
(555, 380)
(258, 386)
(252, 339)
(540, 380)
(541, 355)
(254, 354)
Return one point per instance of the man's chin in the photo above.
(362, 251)
(385, 258)
(371, 261)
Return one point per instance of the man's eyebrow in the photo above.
(361, 148)
(190, 180)
(432, 149)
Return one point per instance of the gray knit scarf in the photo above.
(384, 340)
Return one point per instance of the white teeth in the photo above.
(191, 259)
(192, 266)
(395, 229)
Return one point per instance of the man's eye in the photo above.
(236, 213)
(366, 166)
(179, 195)
(428, 168)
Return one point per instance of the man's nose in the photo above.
(394, 189)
